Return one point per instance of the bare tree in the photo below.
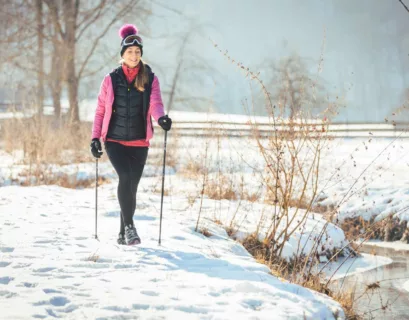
(189, 73)
(58, 56)
(40, 54)
(294, 89)
(71, 23)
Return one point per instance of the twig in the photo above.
(404, 5)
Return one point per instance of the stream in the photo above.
(390, 300)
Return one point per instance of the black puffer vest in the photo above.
(130, 108)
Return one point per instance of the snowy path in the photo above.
(46, 267)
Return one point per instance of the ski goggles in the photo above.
(132, 40)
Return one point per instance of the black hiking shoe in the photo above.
(131, 235)
(121, 239)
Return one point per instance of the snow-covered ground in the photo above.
(395, 245)
(51, 265)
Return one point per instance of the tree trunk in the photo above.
(40, 56)
(70, 17)
(56, 76)
(72, 83)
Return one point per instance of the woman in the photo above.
(129, 96)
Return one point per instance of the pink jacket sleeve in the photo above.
(100, 111)
(156, 104)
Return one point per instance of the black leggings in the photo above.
(128, 163)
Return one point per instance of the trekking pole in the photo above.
(163, 184)
(96, 198)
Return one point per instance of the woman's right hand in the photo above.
(96, 148)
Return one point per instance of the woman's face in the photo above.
(132, 56)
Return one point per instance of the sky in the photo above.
(365, 46)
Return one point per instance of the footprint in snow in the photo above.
(112, 214)
(43, 270)
(139, 306)
(7, 294)
(80, 238)
(192, 309)
(150, 293)
(29, 285)
(144, 217)
(6, 280)
(252, 304)
(116, 308)
(57, 301)
(6, 249)
(48, 291)
(179, 238)
(21, 265)
(43, 241)
(4, 264)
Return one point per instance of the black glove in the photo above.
(165, 122)
(96, 148)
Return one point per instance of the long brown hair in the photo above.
(142, 77)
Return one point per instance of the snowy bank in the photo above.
(51, 266)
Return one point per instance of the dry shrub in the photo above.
(222, 188)
(205, 232)
(43, 175)
(251, 196)
(94, 257)
(231, 232)
(294, 271)
(388, 229)
(46, 140)
(347, 300)
(158, 189)
(192, 169)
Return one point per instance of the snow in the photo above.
(51, 265)
(395, 245)
(405, 285)
(47, 247)
(347, 267)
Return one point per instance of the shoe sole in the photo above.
(134, 243)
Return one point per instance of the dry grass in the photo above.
(192, 169)
(45, 140)
(348, 301)
(294, 271)
(205, 232)
(221, 188)
(94, 257)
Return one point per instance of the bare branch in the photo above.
(168, 8)
(98, 9)
(98, 69)
(120, 14)
(52, 6)
(404, 5)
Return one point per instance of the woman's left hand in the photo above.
(165, 122)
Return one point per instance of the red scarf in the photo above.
(130, 73)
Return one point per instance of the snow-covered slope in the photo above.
(51, 265)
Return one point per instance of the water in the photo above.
(390, 300)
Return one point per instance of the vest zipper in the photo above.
(129, 113)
